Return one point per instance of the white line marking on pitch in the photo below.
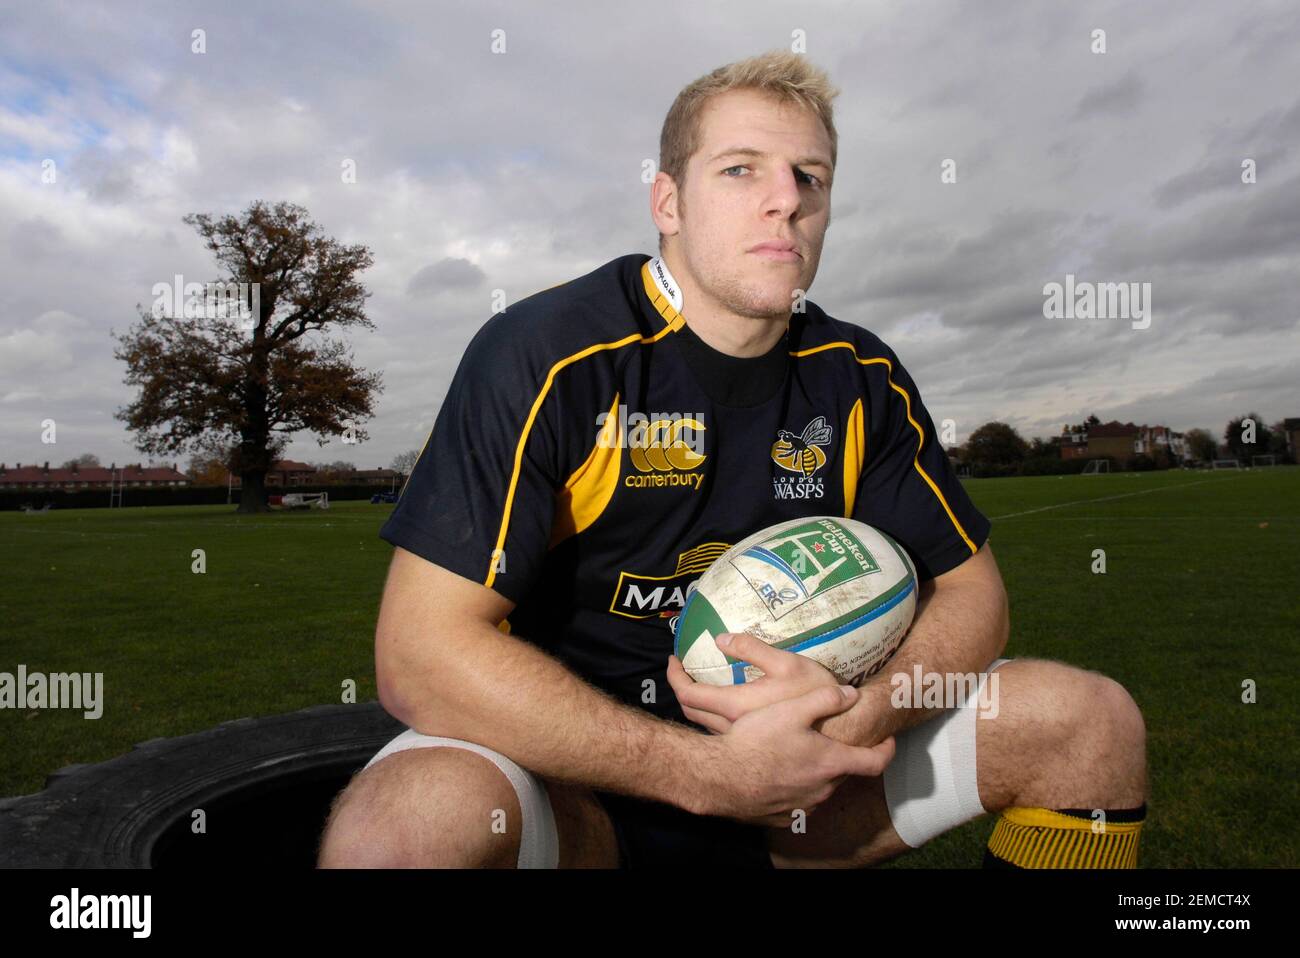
(1122, 495)
(73, 532)
(1175, 518)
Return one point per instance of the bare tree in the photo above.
(404, 462)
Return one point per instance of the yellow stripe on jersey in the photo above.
(588, 491)
(674, 321)
(855, 453)
(907, 401)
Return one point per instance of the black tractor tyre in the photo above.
(264, 786)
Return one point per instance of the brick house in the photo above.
(1292, 429)
(372, 477)
(285, 472)
(1122, 441)
(1113, 440)
(89, 477)
(1074, 443)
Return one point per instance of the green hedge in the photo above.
(11, 499)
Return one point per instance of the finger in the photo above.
(861, 760)
(678, 677)
(820, 703)
(717, 724)
(700, 696)
(752, 649)
(731, 701)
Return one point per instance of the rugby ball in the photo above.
(836, 590)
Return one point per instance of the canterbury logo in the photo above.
(802, 454)
(665, 445)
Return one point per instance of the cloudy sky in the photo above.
(477, 171)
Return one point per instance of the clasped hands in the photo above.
(783, 707)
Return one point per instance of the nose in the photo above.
(784, 198)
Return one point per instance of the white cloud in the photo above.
(527, 166)
(26, 353)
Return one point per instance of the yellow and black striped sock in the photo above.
(1065, 838)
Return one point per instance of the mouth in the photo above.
(778, 251)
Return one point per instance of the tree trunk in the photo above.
(253, 455)
(252, 492)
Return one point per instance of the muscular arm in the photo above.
(962, 623)
(444, 668)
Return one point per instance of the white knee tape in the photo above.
(931, 785)
(539, 845)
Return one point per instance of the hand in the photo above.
(770, 761)
(786, 675)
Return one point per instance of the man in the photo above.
(601, 443)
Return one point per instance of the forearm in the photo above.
(959, 628)
(504, 693)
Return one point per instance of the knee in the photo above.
(1121, 716)
(1094, 713)
(1067, 707)
(424, 808)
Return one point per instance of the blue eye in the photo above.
(810, 176)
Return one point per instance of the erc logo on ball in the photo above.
(836, 590)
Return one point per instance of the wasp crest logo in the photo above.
(802, 454)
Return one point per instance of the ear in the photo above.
(664, 203)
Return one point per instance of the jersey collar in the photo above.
(664, 295)
(663, 292)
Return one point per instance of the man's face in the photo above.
(738, 201)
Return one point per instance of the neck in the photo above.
(728, 332)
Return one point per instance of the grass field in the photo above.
(1200, 594)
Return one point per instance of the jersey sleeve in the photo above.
(481, 497)
(908, 487)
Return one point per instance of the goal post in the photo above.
(1096, 467)
(305, 500)
(1263, 461)
(1226, 464)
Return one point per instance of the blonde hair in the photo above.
(781, 74)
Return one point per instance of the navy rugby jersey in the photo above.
(593, 456)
